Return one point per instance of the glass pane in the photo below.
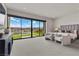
(21, 28)
(15, 26)
(41, 28)
(26, 28)
(35, 25)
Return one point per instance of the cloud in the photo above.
(13, 25)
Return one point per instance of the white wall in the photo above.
(4, 18)
(49, 21)
(5, 15)
(72, 18)
(50, 25)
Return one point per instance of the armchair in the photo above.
(49, 36)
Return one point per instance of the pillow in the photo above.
(69, 32)
(63, 31)
(59, 35)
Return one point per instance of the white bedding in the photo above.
(59, 35)
(72, 35)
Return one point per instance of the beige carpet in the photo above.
(41, 47)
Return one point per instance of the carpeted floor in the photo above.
(41, 47)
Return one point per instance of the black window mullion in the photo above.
(44, 28)
(21, 27)
(31, 28)
(39, 28)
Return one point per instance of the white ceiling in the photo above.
(45, 9)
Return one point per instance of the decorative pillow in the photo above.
(63, 31)
(59, 35)
(69, 32)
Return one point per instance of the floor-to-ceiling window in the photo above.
(38, 28)
(25, 27)
(15, 26)
(42, 30)
(35, 27)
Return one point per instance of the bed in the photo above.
(59, 36)
(70, 31)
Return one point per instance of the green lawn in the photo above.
(17, 36)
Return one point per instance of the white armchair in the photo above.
(58, 37)
(49, 36)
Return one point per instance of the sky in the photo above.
(24, 23)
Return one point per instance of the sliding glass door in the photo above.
(15, 26)
(35, 28)
(25, 27)
(41, 28)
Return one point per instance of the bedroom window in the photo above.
(25, 27)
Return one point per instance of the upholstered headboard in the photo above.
(70, 28)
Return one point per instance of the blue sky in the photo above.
(24, 23)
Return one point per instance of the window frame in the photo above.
(44, 24)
